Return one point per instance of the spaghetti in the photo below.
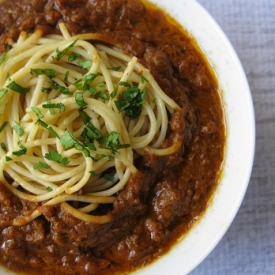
(73, 117)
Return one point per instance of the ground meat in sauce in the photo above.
(168, 194)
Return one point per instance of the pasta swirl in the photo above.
(73, 116)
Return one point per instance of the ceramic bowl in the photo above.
(238, 107)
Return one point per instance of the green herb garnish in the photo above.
(143, 79)
(54, 156)
(68, 141)
(85, 64)
(112, 142)
(84, 83)
(48, 72)
(59, 106)
(109, 177)
(131, 101)
(124, 83)
(102, 84)
(22, 151)
(85, 118)
(17, 88)
(115, 68)
(60, 54)
(40, 164)
(3, 56)
(93, 132)
(8, 158)
(66, 77)
(37, 111)
(73, 56)
(4, 147)
(46, 90)
(3, 92)
(46, 126)
(111, 158)
(18, 129)
(102, 94)
(121, 83)
(90, 132)
(60, 88)
(2, 127)
(79, 99)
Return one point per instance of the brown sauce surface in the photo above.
(168, 195)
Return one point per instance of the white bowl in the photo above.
(240, 123)
(199, 242)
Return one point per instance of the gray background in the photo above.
(248, 247)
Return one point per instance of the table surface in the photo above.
(248, 247)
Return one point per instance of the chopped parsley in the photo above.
(17, 88)
(143, 79)
(66, 77)
(131, 101)
(2, 127)
(59, 106)
(7, 158)
(85, 118)
(98, 94)
(60, 54)
(40, 164)
(18, 129)
(68, 141)
(84, 83)
(37, 111)
(22, 151)
(85, 64)
(112, 142)
(3, 92)
(102, 156)
(114, 92)
(48, 72)
(90, 132)
(102, 84)
(102, 94)
(125, 84)
(93, 173)
(109, 177)
(46, 126)
(92, 90)
(54, 156)
(79, 99)
(52, 111)
(46, 90)
(60, 88)
(73, 56)
(115, 68)
(4, 147)
(121, 83)
(3, 56)
(49, 189)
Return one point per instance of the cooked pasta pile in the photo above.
(73, 116)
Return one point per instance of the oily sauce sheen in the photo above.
(168, 196)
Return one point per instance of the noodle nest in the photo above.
(74, 115)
